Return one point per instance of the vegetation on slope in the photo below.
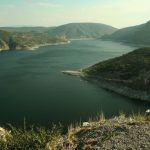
(132, 69)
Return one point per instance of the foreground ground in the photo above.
(118, 133)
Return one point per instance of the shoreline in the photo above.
(120, 89)
(78, 39)
(74, 73)
(48, 44)
(38, 46)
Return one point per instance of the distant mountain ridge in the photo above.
(139, 34)
(71, 30)
(82, 30)
(29, 37)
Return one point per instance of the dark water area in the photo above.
(32, 85)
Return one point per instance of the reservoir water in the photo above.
(32, 85)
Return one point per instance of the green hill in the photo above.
(139, 34)
(130, 72)
(82, 30)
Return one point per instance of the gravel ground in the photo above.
(119, 133)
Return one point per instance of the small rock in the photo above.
(86, 124)
(148, 114)
(148, 111)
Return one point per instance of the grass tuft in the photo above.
(139, 117)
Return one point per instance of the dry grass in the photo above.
(31, 138)
(139, 117)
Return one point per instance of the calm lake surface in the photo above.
(32, 85)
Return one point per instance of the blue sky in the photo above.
(118, 13)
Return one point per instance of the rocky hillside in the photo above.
(139, 34)
(82, 30)
(27, 40)
(127, 75)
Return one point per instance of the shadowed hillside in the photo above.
(137, 34)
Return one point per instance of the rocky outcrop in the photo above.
(3, 45)
(73, 73)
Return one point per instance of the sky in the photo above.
(117, 13)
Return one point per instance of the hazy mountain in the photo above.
(139, 34)
(82, 30)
